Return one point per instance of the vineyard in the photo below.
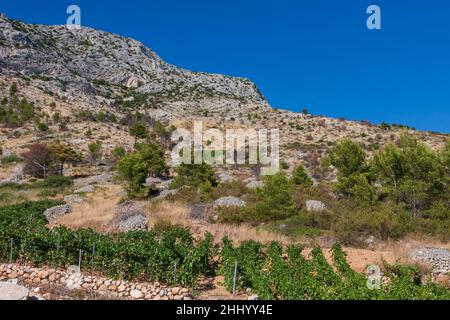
(173, 256)
(275, 274)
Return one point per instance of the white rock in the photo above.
(315, 205)
(136, 294)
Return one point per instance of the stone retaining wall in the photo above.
(72, 280)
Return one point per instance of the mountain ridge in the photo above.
(102, 67)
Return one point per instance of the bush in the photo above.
(383, 221)
(95, 150)
(55, 182)
(147, 160)
(300, 177)
(138, 130)
(194, 175)
(348, 157)
(10, 159)
(38, 160)
(274, 200)
(43, 127)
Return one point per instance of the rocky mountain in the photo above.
(103, 69)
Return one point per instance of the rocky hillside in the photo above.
(100, 69)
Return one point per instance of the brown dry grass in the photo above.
(176, 212)
(97, 212)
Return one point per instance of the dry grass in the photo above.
(97, 212)
(176, 212)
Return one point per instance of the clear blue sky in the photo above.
(316, 54)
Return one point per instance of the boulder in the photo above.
(315, 205)
(6, 153)
(11, 291)
(136, 294)
(98, 179)
(85, 189)
(199, 211)
(165, 193)
(224, 177)
(255, 184)
(73, 199)
(54, 213)
(158, 183)
(229, 202)
(15, 177)
(129, 208)
(135, 222)
(152, 182)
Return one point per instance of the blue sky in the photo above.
(316, 54)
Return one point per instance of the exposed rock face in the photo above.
(438, 258)
(135, 222)
(158, 183)
(129, 216)
(229, 202)
(73, 199)
(98, 179)
(85, 189)
(199, 211)
(166, 193)
(15, 177)
(225, 177)
(98, 67)
(10, 291)
(54, 213)
(255, 184)
(314, 205)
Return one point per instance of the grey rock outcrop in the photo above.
(255, 184)
(165, 193)
(54, 213)
(438, 258)
(15, 177)
(199, 211)
(134, 222)
(225, 177)
(86, 189)
(229, 202)
(92, 180)
(97, 67)
(130, 216)
(73, 199)
(10, 291)
(315, 205)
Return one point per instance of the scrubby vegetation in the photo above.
(171, 255)
(15, 111)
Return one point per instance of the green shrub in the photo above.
(383, 221)
(300, 177)
(194, 175)
(147, 160)
(274, 200)
(54, 182)
(43, 127)
(10, 159)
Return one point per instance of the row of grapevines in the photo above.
(172, 256)
(275, 274)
